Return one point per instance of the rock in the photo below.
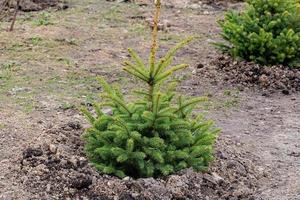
(210, 179)
(199, 66)
(127, 178)
(264, 80)
(217, 178)
(53, 148)
(82, 161)
(164, 25)
(178, 185)
(294, 154)
(25, 162)
(81, 181)
(62, 6)
(285, 92)
(195, 6)
(107, 111)
(221, 155)
(75, 125)
(236, 166)
(48, 187)
(176, 181)
(74, 161)
(40, 170)
(207, 12)
(30, 152)
(126, 196)
(148, 182)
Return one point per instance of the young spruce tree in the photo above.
(151, 136)
(266, 32)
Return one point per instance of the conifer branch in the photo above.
(140, 72)
(97, 109)
(134, 73)
(106, 87)
(169, 72)
(166, 61)
(88, 115)
(156, 103)
(136, 58)
(122, 124)
(117, 101)
(190, 103)
(141, 93)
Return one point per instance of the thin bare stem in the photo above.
(15, 16)
(154, 36)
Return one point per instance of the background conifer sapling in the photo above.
(151, 136)
(266, 32)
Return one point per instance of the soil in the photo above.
(36, 5)
(250, 75)
(41, 153)
(60, 168)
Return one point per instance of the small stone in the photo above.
(237, 166)
(217, 178)
(285, 92)
(221, 155)
(127, 178)
(199, 66)
(74, 125)
(126, 196)
(176, 181)
(41, 169)
(82, 161)
(30, 152)
(25, 162)
(264, 80)
(81, 181)
(166, 23)
(62, 6)
(107, 111)
(48, 187)
(206, 12)
(135, 195)
(195, 6)
(110, 183)
(74, 161)
(53, 148)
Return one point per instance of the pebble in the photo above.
(48, 188)
(74, 161)
(53, 148)
(217, 178)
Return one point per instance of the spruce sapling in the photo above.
(151, 136)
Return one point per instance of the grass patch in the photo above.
(43, 20)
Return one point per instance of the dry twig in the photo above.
(15, 15)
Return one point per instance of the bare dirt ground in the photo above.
(48, 68)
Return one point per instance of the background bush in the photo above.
(267, 32)
(150, 136)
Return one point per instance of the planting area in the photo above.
(48, 69)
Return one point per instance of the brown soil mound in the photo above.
(250, 75)
(34, 5)
(59, 170)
